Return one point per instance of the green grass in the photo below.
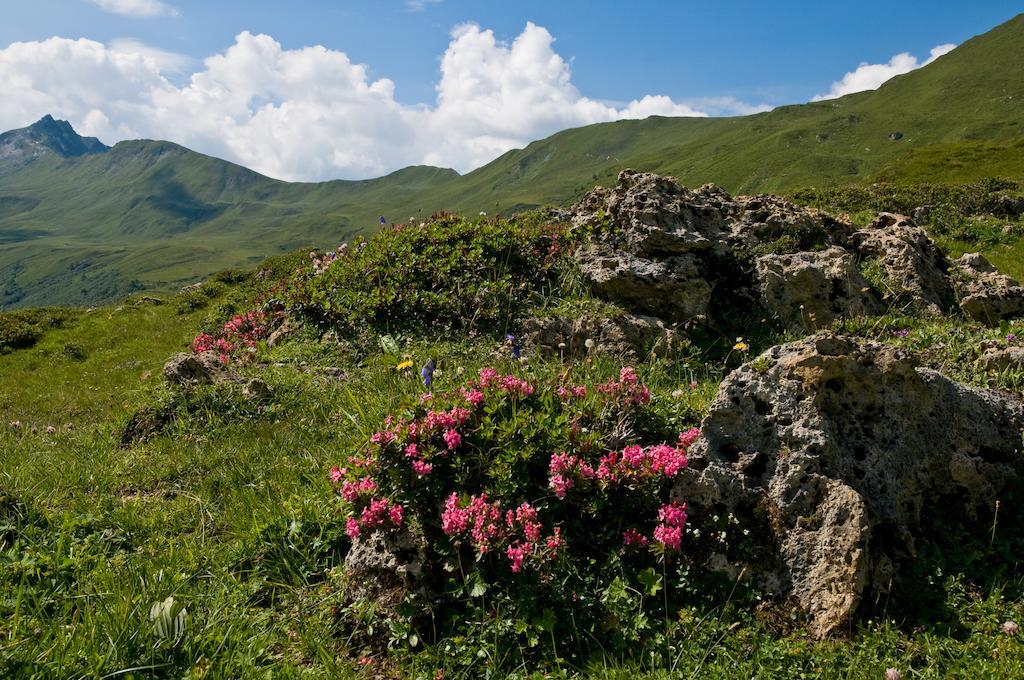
(229, 512)
(152, 215)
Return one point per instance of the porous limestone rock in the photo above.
(837, 451)
(385, 565)
(811, 290)
(914, 266)
(626, 335)
(985, 294)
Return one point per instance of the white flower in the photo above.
(1010, 627)
(589, 343)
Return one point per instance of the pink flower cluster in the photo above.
(320, 263)
(577, 391)
(509, 384)
(367, 511)
(669, 532)
(637, 463)
(628, 387)
(482, 521)
(633, 538)
(564, 470)
(243, 330)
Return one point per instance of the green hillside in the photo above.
(151, 215)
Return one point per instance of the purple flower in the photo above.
(1011, 337)
(902, 333)
(427, 372)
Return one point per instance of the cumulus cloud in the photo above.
(871, 76)
(730, 106)
(310, 113)
(137, 9)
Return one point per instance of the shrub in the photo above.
(544, 497)
(17, 334)
(444, 273)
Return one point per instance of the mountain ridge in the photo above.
(78, 229)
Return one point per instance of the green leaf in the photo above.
(651, 581)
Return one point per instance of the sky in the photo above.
(308, 90)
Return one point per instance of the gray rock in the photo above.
(673, 288)
(185, 368)
(985, 294)
(811, 290)
(1002, 358)
(257, 390)
(626, 335)
(384, 565)
(913, 264)
(843, 448)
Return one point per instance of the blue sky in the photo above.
(692, 53)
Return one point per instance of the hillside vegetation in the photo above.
(151, 215)
(205, 531)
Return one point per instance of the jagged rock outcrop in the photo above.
(385, 566)
(811, 290)
(666, 251)
(837, 451)
(205, 368)
(985, 294)
(914, 266)
(625, 335)
(1002, 358)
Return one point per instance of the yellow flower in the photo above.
(741, 346)
(404, 365)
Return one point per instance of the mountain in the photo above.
(82, 223)
(48, 137)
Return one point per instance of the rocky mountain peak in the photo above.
(46, 136)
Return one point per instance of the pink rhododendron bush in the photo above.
(537, 506)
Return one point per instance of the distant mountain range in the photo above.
(81, 222)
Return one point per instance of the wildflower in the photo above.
(588, 343)
(336, 474)
(427, 372)
(516, 554)
(452, 439)
(632, 537)
(1010, 337)
(405, 365)
(514, 346)
(893, 674)
(422, 469)
(901, 333)
(1010, 627)
(693, 384)
(740, 345)
(677, 394)
(352, 527)
(669, 537)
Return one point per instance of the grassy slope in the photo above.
(230, 513)
(153, 215)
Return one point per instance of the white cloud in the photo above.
(137, 9)
(309, 114)
(871, 76)
(163, 60)
(420, 5)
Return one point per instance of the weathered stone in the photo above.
(257, 390)
(385, 565)
(626, 335)
(914, 266)
(985, 294)
(185, 368)
(811, 290)
(847, 448)
(1002, 358)
(672, 289)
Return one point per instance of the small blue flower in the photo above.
(427, 372)
(516, 351)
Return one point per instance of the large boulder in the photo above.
(811, 290)
(673, 288)
(985, 294)
(837, 451)
(914, 266)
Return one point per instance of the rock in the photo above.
(257, 390)
(895, 136)
(626, 335)
(281, 332)
(1008, 206)
(185, 368)
(1002, 358)
(836, 452)
(192, 287)
(384, 566)
(985, 294)
(673, 289)
(913, 264)
(811, 290)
